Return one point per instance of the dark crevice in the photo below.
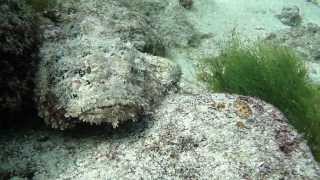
(19, 35)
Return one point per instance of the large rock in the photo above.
(211, 136)
(94, 68)
(18, 49)
(226, 137)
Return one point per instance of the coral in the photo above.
(243, 110)
(240, 125)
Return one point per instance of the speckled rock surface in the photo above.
(210, 136)
(168, 19)
(97, 66)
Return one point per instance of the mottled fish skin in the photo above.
(95, 73)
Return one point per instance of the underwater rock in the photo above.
(168, 20)
(317, 2)
(228, 137)
(186, 3)
(18, 48)
(290, 16)
(93, 68)
(209, 136)
(304, 39)
(135, 27)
